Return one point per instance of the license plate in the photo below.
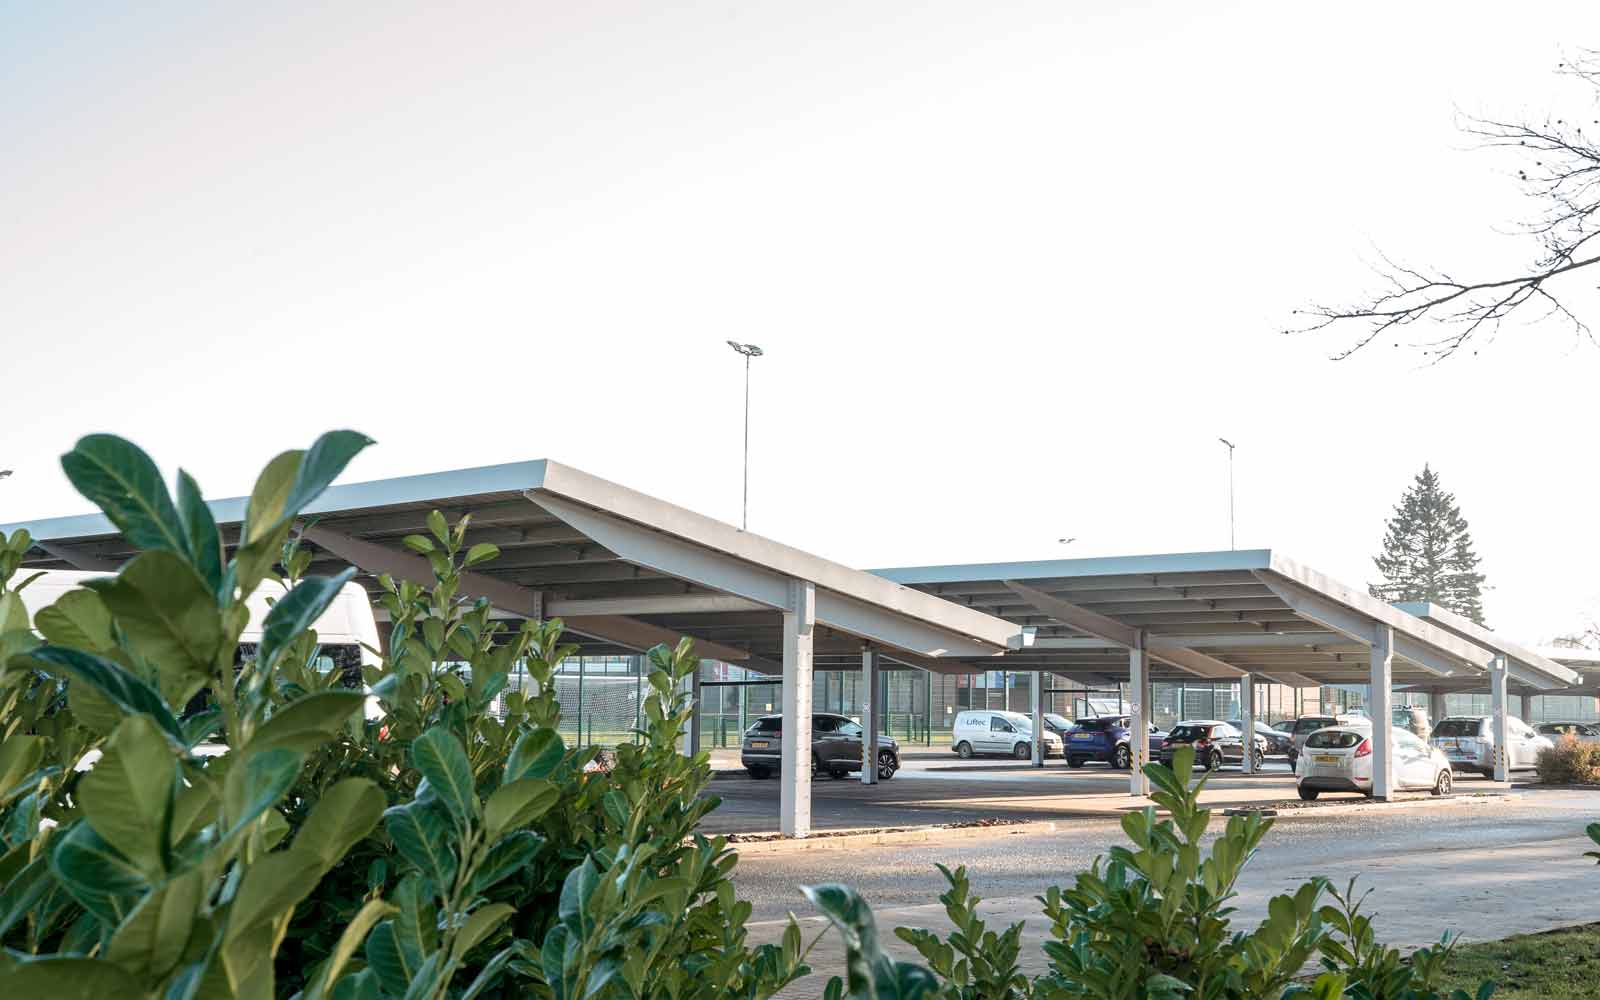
(1082, 736)
(1323, 758)
(759, 744)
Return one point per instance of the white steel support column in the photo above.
(1379, 701)
(1036, 703)
(1247, 720)
(1498, 709)
(1525, 709)
(1139, 724)
(1436, 706)
(871, 714)
(694, 714)
(794, 795)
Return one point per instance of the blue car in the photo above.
(1105, 738)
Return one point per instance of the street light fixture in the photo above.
(1067, 541)
(5, 473)
(749, 351)
(1232, 544)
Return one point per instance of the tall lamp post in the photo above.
(1232, 544)
(749, 351)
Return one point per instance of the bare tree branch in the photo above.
(1563, 177)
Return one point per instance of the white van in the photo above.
(991, 732)
(347, 625)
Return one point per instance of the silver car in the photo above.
(1469, 743)
(1583, 732)
(1339, 759)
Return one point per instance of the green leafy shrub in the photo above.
(1569, 762)
(439, 850)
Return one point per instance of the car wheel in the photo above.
(1293, 759)
(1261, 760)
(886, 766)
(1074, 762)
(1442, 786)
(1214, 762)
(1309, 794)
(758, 773)
(964, 750)
(1022, 751)
(1123, 759)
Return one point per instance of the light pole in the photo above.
(749, 351)
(1231, 543)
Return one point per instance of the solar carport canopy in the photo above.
(1216, 615)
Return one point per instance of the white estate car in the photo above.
(1469, 743)
(1339, 759)
(992, 732)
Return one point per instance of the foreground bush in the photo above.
(436, 852)
(1569, 762)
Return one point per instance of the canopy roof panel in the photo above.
(1206, 614)
(624, 569)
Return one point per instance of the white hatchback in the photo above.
(1339, 759)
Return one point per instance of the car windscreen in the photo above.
(1060, 722)
(1456, 728)
(1332, 739)
(1091, 725)
(772, 725)
(1561, 729)
(1188, 734)
(1312, 723)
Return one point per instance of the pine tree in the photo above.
(1427, 552)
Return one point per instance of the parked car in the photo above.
(1339, 759)
(1469, 743)
(1286, 726)
(1215, 744)
(1308, 724)
(1584, 732)
(1277, 741)
(835, 747)
(992, 732)
(1413, 719)
(1058, 724)
(1107, 738)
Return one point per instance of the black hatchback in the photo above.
(835, 747)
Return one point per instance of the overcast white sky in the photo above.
(1015, 266)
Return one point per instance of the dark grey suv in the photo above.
(835, 747)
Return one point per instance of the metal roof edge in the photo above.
(1154, 564)
(510, 477)
(1342, 593)
(1473, 632)
(641, 508)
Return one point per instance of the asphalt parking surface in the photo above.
(938, 789)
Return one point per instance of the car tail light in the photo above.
(1365, 749)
